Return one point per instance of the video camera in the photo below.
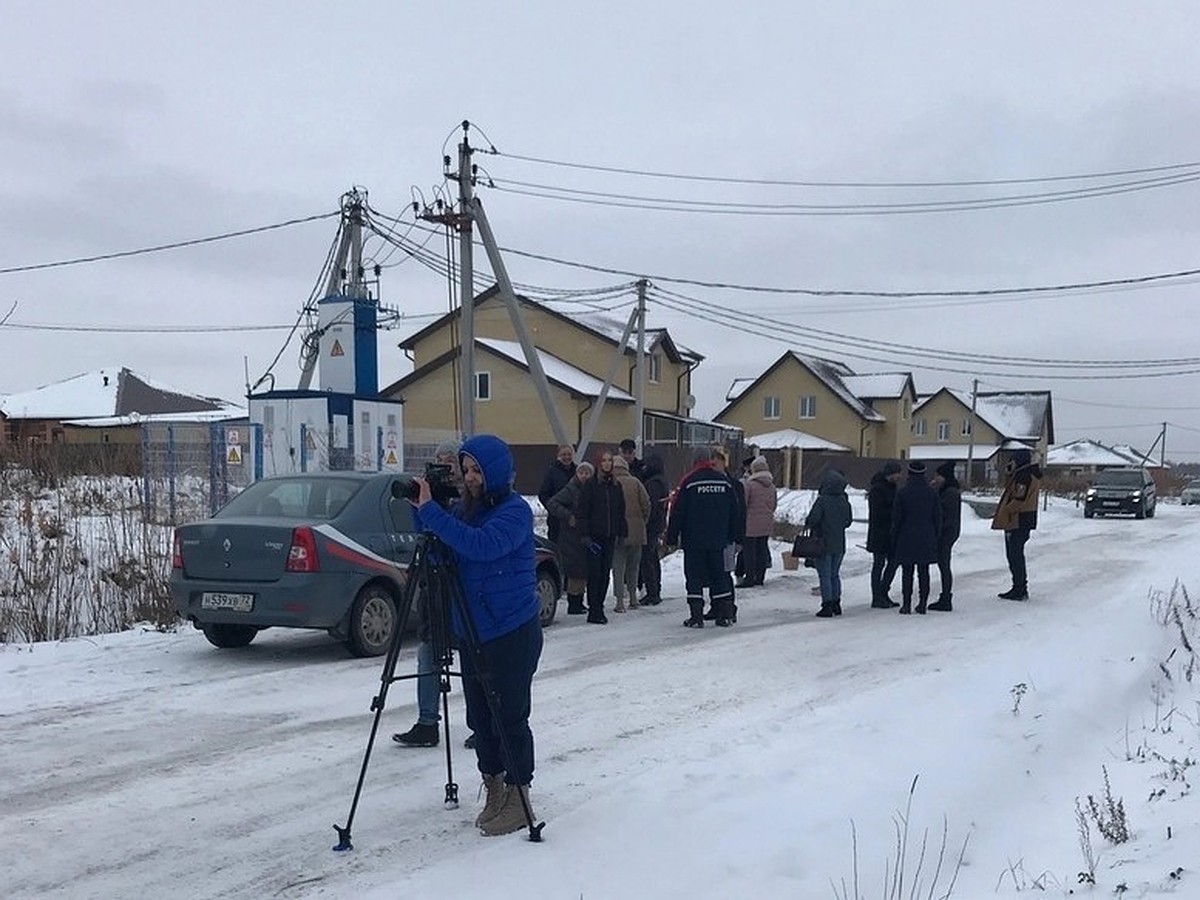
(441, 485)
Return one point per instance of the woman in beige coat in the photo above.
(627, 554)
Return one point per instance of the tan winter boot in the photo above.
(493, 786)
(633, 602)
(620, 607)
(512, 814)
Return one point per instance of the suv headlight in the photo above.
(1091, 493)
(1135, 494)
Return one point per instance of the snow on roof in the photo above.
(790, 437)
(1134, 455)
(82, 396)
(224, 414)
(834, 375)
(956, 452)
(92, 395)
(557, 370)
(612, 327)
(738, 388)
(1084, 452)
(1015, 414)
(877, 386)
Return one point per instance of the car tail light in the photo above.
(302, 556)
(176, 552)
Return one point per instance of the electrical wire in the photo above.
(143, 329)
(175, 245)
(776, 182)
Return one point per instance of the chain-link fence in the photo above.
(191, 469)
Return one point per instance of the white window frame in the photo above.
(920, 427)
(483, 379)
(943, 431)
(654, 368)
(771, 408)
(811, 402)
(966, 427)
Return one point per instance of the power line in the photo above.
(80, 260)
(142, 329)
(776, 182)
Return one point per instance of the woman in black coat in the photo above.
(916, 520)
(658, 489)
(564, 508)
(602, 518)
(950, 497)
(881, 497)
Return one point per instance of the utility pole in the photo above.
(349, 252)
(1162, 451)
(971, 437)
(466, 286)
(639, 407)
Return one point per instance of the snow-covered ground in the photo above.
(671, 762)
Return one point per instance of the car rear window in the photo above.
(293, 498)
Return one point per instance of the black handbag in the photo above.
(808, 545)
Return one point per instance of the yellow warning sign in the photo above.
(390, 459)
(336, 349)
(309, 441)
(233, 455)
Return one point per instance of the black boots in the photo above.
(726, 612)
(575, 605)
(943, 604)
(696, 619)
(418, 736)
(883, 602)
(1014, 593)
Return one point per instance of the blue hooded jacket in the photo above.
(494, 547)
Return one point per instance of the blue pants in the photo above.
(510, 662)
(829, 573)
(427, 685)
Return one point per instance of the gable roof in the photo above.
(791, 437)
(1012, 414)
(111, 391)
(1085, 452)
(597, 322)
(829, 372)
(559, 372)
(880, 385)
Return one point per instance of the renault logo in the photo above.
(227, 545)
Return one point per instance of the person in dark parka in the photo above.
(881, 497)
(829, 517)
(916, 518)
(659, 490)
(602, 517)
(950, 497)
(556, 479)
(572, 546)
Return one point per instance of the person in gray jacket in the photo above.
(830, 517)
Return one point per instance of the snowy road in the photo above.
(671, 763)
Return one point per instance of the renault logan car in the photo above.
(1125, 490)
(324, 550)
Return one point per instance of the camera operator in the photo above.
(491, 535)
(425, 732)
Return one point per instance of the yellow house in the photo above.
(944, 428)
(864, 415)
(576, 352)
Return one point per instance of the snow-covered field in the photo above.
(671, 762)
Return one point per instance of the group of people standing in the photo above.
(614, 519)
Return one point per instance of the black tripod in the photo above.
(433, 575)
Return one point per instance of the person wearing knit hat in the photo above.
(949, 494)
(555, 480)
(916, 519)
(881, 497)
(761, 499)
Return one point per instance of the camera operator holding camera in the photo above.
(425, 732)
(491, 534)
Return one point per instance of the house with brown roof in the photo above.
(824, 405)
(576, 352)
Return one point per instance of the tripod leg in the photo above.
(416, 571)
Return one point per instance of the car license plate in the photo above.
(1112, 502)
(235, 602)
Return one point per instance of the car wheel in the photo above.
(1140, 512)
(547, 591)
(1152, 510)
(227, 637)
(372, 621)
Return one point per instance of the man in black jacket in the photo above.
(704, 520)
(950, 496)
(658, 489)
(881, 496)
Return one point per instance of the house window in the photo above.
(919, 427)
(771, 407)
(943, 430)
(966, 429)
(483, 385)
(808, 407)
(654, 368)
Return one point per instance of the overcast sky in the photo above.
(120, 130)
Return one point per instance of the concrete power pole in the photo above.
(639, 408)
(971, 438)
(466, 286)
